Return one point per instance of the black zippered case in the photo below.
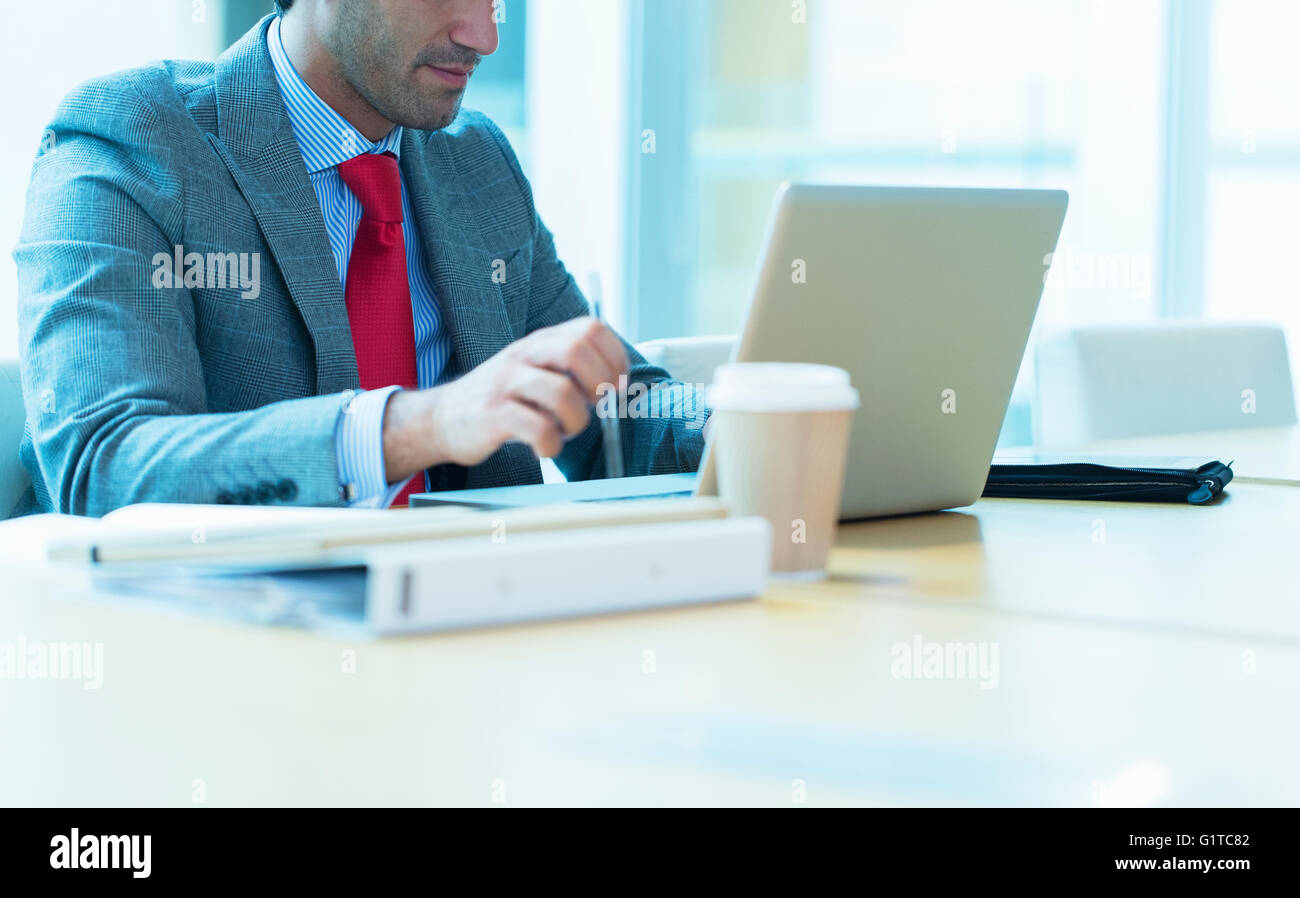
(1196, 486)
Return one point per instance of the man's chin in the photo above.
(435, 115)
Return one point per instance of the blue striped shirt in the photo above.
(326, 139)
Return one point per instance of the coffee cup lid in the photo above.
(781, 386)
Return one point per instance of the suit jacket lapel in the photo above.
(256, 141)
(460, 265)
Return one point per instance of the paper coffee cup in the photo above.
(780, 437)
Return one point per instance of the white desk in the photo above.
(1124, 676)
(1222, 570)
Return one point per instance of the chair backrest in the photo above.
(13, 476)
(1111, 382)
(689, 359)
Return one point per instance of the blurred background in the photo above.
(655, 133)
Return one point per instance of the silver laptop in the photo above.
(925, 295)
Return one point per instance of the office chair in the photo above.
(1116, 381)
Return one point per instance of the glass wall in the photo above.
(1017, 93)
(1172, 123)
(1252, 214)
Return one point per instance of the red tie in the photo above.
(377, 292)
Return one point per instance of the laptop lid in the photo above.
(926, 296)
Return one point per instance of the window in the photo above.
(1172, 123)
(1253, 167)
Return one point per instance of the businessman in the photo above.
(302, 274)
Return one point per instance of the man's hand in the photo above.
(535, 391)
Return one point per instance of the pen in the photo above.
(609, 425)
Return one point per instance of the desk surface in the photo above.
(1158, 666)
(1214, 570)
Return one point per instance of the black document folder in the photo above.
(1152, 480)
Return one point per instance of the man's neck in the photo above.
(319, 69)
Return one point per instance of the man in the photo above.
(302, 274)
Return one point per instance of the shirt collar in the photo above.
(324, 137)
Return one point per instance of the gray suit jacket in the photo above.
(144, 393)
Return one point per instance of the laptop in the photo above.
(925, 295)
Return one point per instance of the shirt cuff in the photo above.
(359, 446)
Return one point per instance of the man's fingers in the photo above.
(554, 393)
(533, 427)
(580, 359)
(606, 342)
(583, 348)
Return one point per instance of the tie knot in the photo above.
(377, 184)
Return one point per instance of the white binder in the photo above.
(449, 584)
(477, 581)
